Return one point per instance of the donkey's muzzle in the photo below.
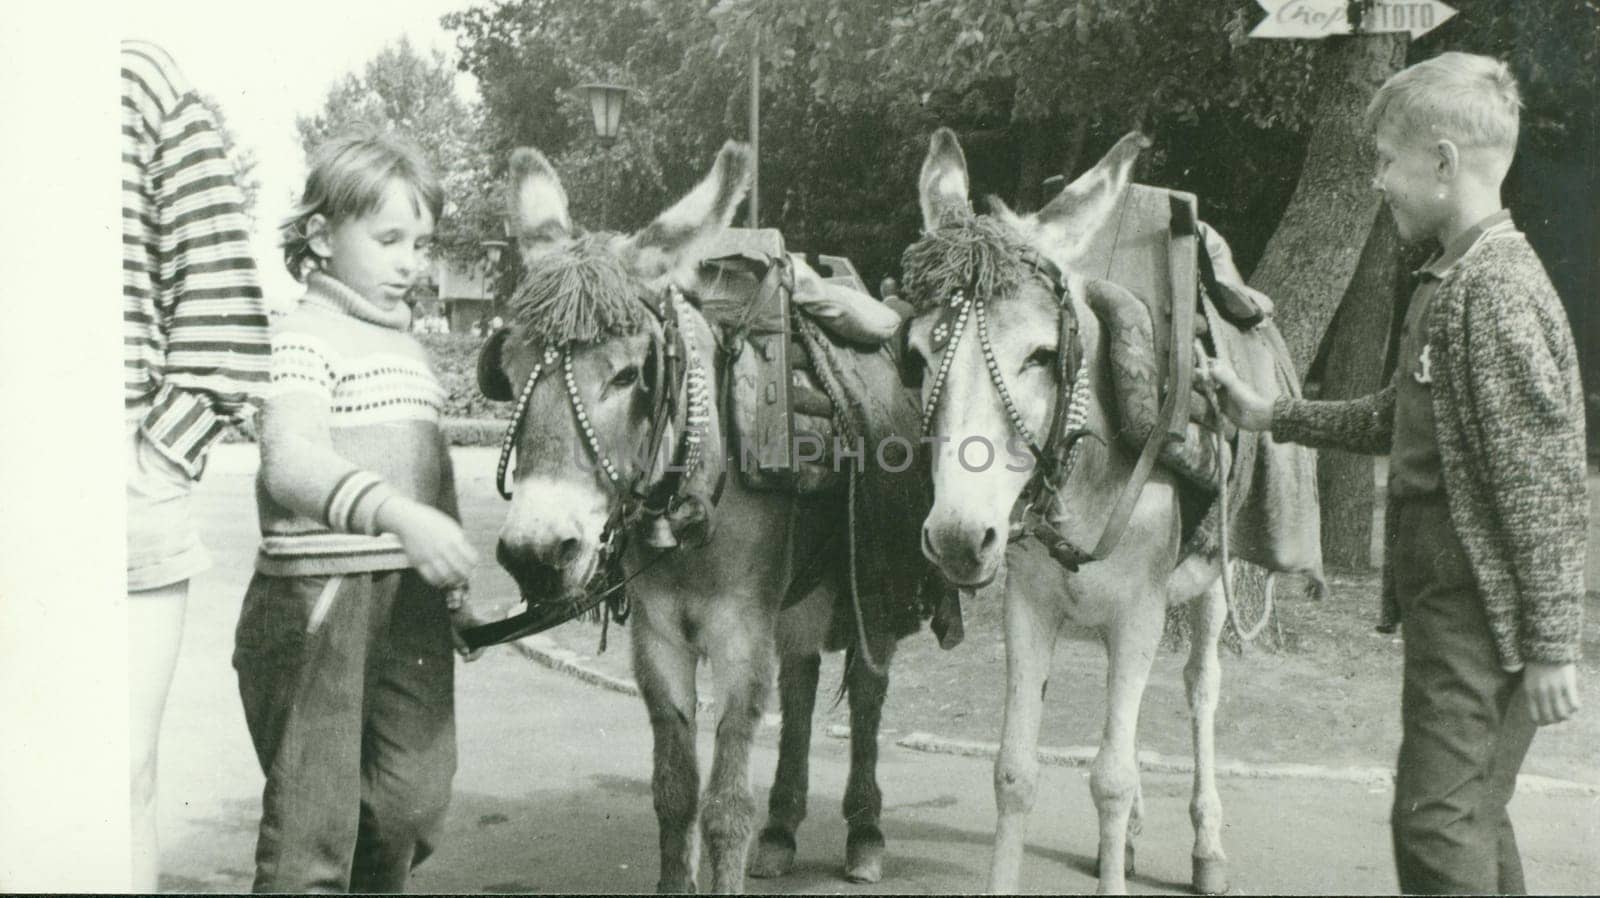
(965, 555)
(540, 571)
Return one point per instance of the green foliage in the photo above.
(1035, 88)
(455, 360)
(415, 95)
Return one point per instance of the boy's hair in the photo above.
(348, 177)
(1470, 99)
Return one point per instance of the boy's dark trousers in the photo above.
(1465, 720)
(348, 689)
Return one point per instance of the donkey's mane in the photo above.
(971, 253)
(582, 294)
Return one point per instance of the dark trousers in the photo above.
(348, 689)
(1465, 721)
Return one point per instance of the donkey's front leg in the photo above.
(1032, 622)
(863, 801)
(742, 667)
(1131, 643)
(1202, 678)
(665, 672)
(786, 805)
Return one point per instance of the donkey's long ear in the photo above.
(1064, 227)
(492, 380)
(942, 188)
(538, 204)
(679, 235)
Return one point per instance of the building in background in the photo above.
(465, 293)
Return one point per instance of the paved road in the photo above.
(553, 789)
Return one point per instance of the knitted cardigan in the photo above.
(1508, 414)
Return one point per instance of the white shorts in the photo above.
(163, 543)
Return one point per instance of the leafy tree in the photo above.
(414, 94)
(1265, 132)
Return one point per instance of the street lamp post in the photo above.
(495, 249)
(606, 103)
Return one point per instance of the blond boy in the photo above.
(1487, 511)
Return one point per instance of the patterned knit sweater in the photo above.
(1508, 412)
(351, 420)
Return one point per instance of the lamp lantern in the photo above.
(605, 105)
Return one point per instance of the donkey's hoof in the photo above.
(863, 856)
(1127, 862)
(1210, 876)
(774, 855)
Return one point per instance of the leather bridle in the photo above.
(1055, 458)
(681, 397)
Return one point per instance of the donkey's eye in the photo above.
(625, 378)
(1041, 358)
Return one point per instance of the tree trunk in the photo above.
(1320, 261)
(1312, 257)
(1070, 155)
(1354, 366)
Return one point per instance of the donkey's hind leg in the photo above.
(665, 673)
(741, 663)
(786, 805)
(1202, 678)
(863, 800)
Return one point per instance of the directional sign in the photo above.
(1320, 18)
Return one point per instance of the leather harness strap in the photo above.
(1052, 458)
(671, 372)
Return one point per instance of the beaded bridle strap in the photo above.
(974, 306)
(508, 443)
(1055, 459)
(629, 502)
(697, 415)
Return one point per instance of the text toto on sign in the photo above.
(1320, 18)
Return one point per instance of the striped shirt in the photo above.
(195, 340)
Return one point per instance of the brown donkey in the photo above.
(997, 372)
(589, 372)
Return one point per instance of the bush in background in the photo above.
(455, 361)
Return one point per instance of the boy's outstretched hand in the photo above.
(1241, 403)
(1552, 691)
(433, 541)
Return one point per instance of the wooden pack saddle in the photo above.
(781, 420)
(1155, 247)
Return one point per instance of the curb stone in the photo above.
(1083, 756)
(544, 652)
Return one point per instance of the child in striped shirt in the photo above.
(194, 360)
(344, 643)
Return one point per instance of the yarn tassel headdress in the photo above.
(583, 294)
(973, 253)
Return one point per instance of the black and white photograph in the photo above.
(801, 446)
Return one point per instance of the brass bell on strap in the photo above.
(661, 536)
